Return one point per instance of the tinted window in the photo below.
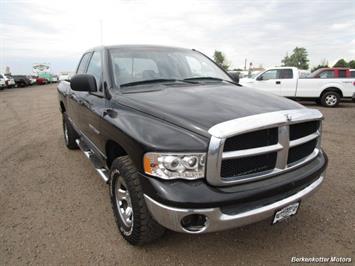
(342, 73)
(95, 68)
(327, 74)
(352, 74)
(285, 74)
(270, 74)
(83, 63)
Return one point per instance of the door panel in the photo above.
(94, 107)
(267, 81)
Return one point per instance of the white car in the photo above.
(32, 79)
(9, 81)
(65, 76)
(54, 79)
(2, 82)
(286, 81)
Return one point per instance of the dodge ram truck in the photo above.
(183, 146)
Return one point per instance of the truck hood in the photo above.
(199, 107)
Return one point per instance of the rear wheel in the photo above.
(330, 99)
(70, 134)
(132, 216)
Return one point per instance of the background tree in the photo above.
(221, 59)
(341, 63)
(352, 64)
(299, 58)
(324, 63)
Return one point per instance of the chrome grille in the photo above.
(260, 146)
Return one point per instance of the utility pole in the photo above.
(245, 64)
(101, 33)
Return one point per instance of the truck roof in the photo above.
(138, 47)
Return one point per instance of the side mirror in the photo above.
(235, 77)
(83, 82)
(260, 77)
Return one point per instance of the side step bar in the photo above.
(99, 167)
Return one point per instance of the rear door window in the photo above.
(285, 74)
(327, 74)
(342, 73)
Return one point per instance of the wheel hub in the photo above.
(66, 137)
(331, 99)
(123, 202)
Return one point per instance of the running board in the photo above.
(99, 167)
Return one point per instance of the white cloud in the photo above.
(342, 26)
(262, 31)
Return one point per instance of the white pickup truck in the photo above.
(286, 81)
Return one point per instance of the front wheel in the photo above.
(70, 134)
(330, 99)
(132, 216)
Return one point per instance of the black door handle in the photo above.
(278, 82)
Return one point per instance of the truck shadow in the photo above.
(343, 105)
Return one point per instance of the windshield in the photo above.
(137, 65)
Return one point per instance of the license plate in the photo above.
(286, 212)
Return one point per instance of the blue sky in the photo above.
(57, 32)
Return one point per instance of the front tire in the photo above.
(330, 99)
(70, 134)
(132, 216)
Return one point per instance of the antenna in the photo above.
(101, 33)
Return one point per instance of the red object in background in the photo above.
(337, 72)
(41, 81)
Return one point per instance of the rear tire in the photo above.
(330, 99)
(70, 134)
(132, 216)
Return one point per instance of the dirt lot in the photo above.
(54, 208)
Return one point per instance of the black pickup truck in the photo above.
(183, 146)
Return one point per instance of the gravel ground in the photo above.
(54, 208)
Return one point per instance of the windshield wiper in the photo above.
(210, 78)
(134, 83)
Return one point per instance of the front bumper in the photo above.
(229, 207)
(217, 220)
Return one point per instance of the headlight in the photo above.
(173, 166)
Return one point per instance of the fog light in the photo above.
(194, 223)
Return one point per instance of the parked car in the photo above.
(21, 80)
(64, 76)
(285, 81)
(352, 73)
(33, 79)
(55, 79)
(45, 75)
(41, 81)
(9, 81)
(183, 146)
(329, 73)
(2, 82)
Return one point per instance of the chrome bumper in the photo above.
(170, 217)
